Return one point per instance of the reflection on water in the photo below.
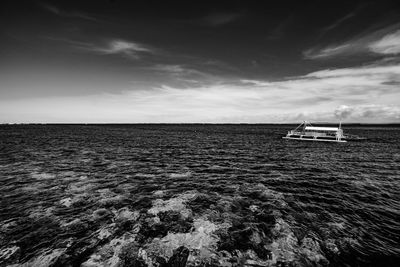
(195, 195)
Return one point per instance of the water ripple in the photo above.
(223, 195)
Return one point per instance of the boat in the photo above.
(306, 132)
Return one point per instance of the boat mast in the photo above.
(304, 122)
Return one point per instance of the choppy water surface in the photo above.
(216, 195)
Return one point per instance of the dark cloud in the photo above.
(392, 82)
(121, 47)
(337, 23)
(219, 19)
(385, 41)
(63, 13)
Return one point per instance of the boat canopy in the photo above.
(312, 128)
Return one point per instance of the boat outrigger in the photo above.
(306, 132)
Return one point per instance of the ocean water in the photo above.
(197, 195)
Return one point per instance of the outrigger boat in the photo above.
(306, 132)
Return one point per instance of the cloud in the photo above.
(336, 82)
(180, 70)
(383, 71)
(331, 51)
(162, 104)
(360, 94)
(256, 82)
(343, 112)
(129, 49)
(338, 22)
(123, 47)
(62, 13)
(132, 50)
(219, 19)
(175, 69)
(388, 44)
(279, 31)
(371, 113)
(385, 41)
(192, 73)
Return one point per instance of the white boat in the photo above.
(306, 132)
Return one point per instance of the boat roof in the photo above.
(333, 129)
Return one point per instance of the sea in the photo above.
(197, 195)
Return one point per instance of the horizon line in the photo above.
(191, 123)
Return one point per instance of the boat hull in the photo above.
(314, 139)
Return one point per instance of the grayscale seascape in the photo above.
(177, 133)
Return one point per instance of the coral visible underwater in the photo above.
(196, 195)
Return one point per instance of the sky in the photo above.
(114, 61)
